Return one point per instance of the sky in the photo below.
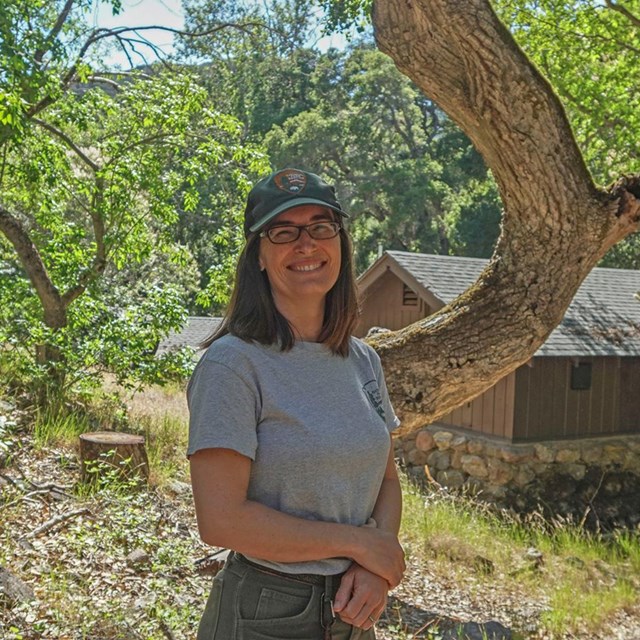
(137, 13)
(164, 13)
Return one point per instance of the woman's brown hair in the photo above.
(252, 314)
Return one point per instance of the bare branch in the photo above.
(124, 74)
(69, 142)
(244, 26)
(53, 34)
(100, 34)
(102, 80)
(635, 20)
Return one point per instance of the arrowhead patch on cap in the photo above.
(290, 181)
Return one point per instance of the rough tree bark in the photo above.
(556, 224)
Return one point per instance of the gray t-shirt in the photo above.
(316, 426)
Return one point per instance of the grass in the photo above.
(581, 579)
(585, 577)
(59, 428)
(591, 608)
(159, 414)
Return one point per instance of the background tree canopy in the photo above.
(96, 169)
(408, 177)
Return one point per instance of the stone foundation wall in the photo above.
(596, 480)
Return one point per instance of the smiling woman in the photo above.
(291, 458)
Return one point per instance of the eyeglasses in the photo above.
(282, 234)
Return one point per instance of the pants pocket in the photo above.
(279, 612)
(343, 631)
(276, 604)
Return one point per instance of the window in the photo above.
(581, 376)
(409, 297)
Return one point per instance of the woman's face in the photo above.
(306, 268)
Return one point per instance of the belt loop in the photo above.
(328, 615)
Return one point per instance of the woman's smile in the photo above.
(306, 267)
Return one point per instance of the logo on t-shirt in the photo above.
(372, 391)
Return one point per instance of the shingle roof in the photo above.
(192, 334)
(603, 319)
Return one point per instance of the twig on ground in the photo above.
(49, 524)
(165, 629)
(27, 497)
(51, 486)
(9, 479)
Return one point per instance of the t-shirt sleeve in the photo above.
(223, 410)
(392, 420)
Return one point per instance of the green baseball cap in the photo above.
(284, 190)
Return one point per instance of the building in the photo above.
(581, 383)
(195, 331)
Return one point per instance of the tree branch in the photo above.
(556, 225)
(102, 80)
(32, 264)
(55, 30)
(69, 142)
(635, 21)
(451, 49)
(100, 260)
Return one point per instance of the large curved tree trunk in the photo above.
(556, 225)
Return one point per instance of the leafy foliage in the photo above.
(404, 171)
(408, 177)
(599, 86)
(96, 172)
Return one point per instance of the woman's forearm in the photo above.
(388, 509)
(226, 518)
(259, 531)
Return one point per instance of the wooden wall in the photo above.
(547, 408)
(490, 413)
(382, 306)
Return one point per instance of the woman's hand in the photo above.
(381, 554)
(361, 598)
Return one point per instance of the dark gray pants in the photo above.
(246, 603)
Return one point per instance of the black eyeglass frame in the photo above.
(300, 227)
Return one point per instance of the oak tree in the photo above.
(557, 222)
(95, 167)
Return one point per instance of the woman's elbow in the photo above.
(218, 528)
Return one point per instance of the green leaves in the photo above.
(97, 177)
(589, 51)
(400, 166)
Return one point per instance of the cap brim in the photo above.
(292, 204)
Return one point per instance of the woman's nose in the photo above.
(305, 241)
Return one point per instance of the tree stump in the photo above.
(107, 452)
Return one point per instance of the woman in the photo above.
(289, 443)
